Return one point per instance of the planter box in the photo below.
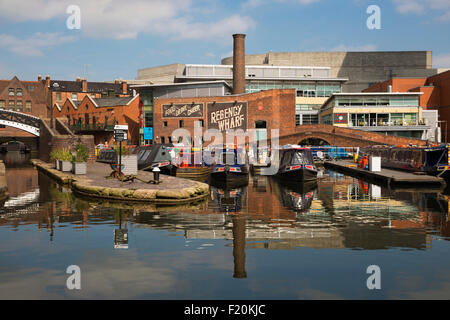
(131, 164)
(66, 166)
(79, 167)
(57, 165)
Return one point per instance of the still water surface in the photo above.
(263, 241)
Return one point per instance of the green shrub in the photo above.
(81, 153)
(66, 154)
(55, 155)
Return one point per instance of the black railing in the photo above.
(92, 127)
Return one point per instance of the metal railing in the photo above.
(92, 127)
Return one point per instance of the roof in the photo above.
(181, 84)
(92, 87)
(112, 101)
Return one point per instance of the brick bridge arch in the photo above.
(345, 137)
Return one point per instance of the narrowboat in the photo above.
(429, 160)
(190, 164)
(158, 155)
(296, 164)
(107, 156)
(14, 146)
(231, 167)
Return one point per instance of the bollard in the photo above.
(156, 171)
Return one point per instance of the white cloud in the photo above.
(33, 45)
(127, 19)
(441, 61)
(422, 6)
(409, 6)
(345, 48)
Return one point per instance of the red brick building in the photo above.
(97, 116)
(436, 94)
(263, 110)
(57, 91)
(22, 96)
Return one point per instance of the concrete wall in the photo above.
(361, 68)
(161, 74)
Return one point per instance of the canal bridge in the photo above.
(344, 137)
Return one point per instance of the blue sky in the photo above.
(118, 37)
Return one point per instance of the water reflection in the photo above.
(235, 234)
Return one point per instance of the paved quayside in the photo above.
(171, 190)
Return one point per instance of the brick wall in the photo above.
(276, 107)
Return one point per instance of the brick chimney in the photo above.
(124, 87)
(116, 81)
(78, 79)
(47, 81)
(238, 63)
(39, 77)
(83, 85)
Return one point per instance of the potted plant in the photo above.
(54, 156)
(79, 159)
(129, 160)
(65, 159)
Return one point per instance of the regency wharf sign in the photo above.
(227, 116)
(194, 110)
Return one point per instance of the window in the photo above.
(58, 96)
(170, 139)
(11, 91)
(310, 118)
(2, 104)
(163, 140)
(11, 105)
(19, 105)
(148, 119)
(260, 124)
(181, 123)
(19, 92)
(201, 123)
(165, 124)
(30, 88)
(74, 96)
(297, 119)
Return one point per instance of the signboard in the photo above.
(340, 118)
(120, 132)
(148, 133)
(227, 116)
(192, 110)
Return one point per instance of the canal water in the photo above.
(263, 241)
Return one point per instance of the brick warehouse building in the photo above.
(22, 96)
(435, 95)
(97, 116)
(263, 110)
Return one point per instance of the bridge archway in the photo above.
(312, 141)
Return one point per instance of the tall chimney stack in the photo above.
(238, 63)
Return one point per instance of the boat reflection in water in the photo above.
(296, 197)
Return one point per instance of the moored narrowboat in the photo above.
(429, 160)
(296, 164)
(231, 167)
